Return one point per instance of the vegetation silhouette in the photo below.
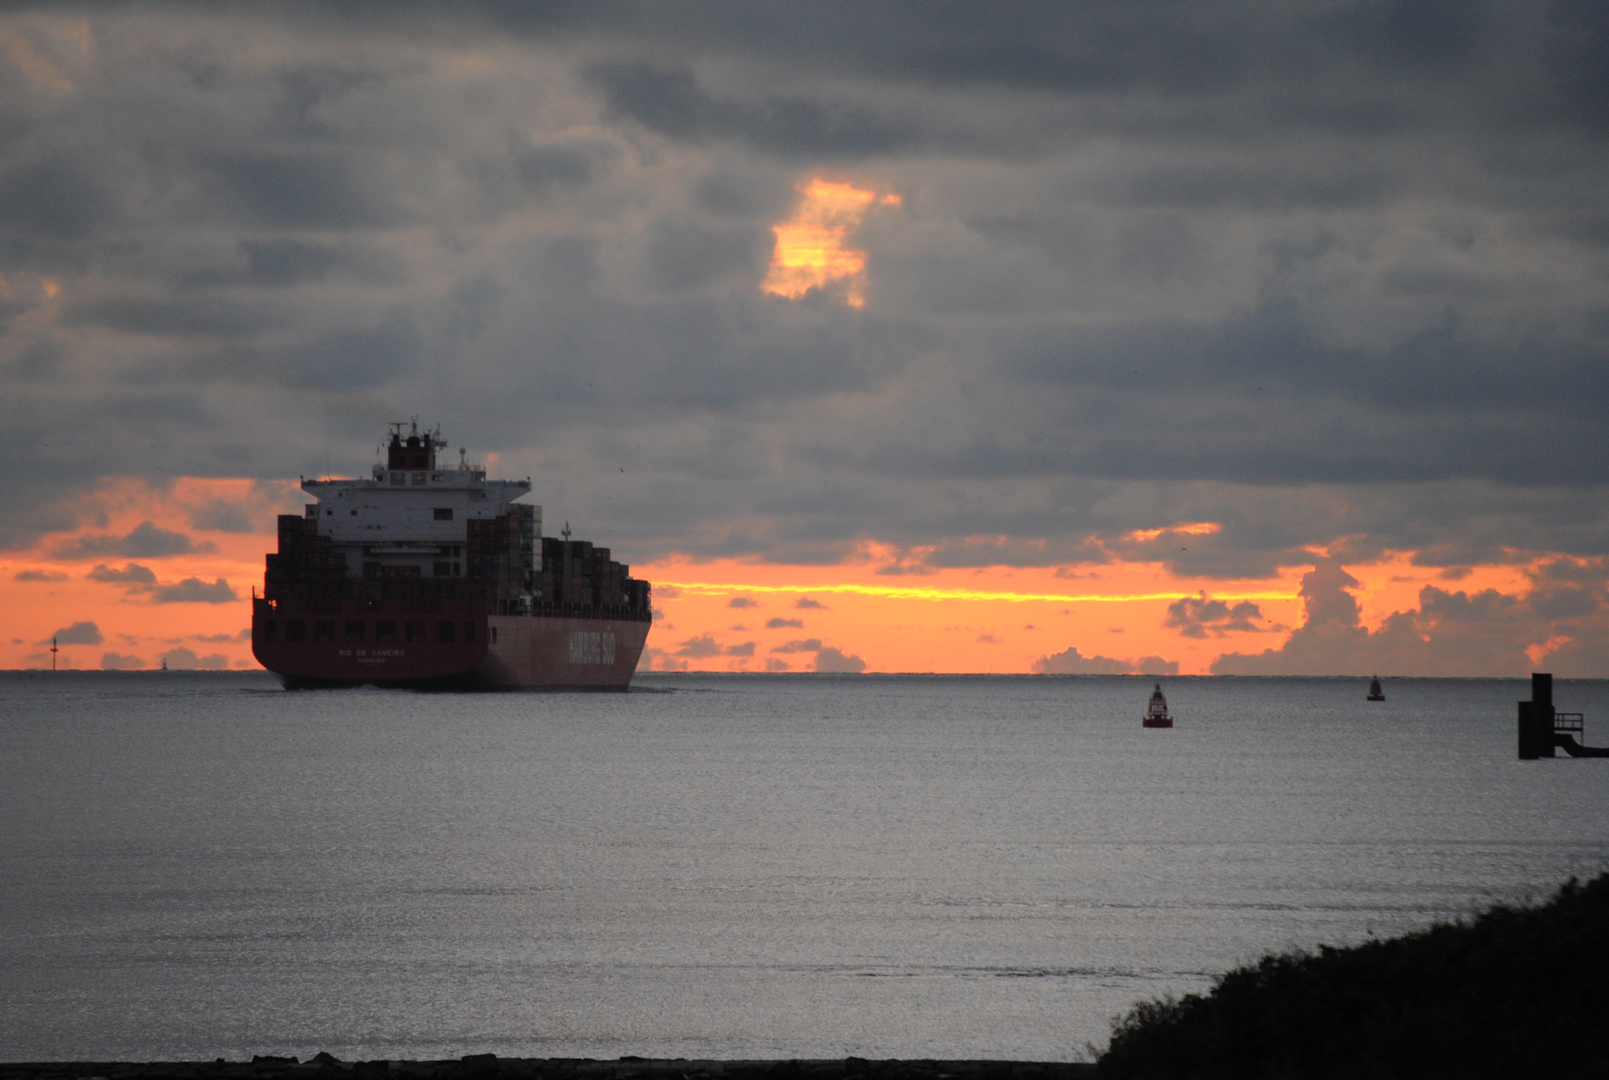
(1514, 992)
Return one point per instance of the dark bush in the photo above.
(1516, 992)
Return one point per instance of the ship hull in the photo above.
(512, 652)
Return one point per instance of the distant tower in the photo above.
(53, 654)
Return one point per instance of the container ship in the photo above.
(434, 578)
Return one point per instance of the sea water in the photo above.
(203, 865)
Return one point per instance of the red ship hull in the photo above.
(498, 652)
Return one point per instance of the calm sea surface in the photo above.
(742, 866)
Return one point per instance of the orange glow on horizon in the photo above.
(153, 570)
(730, 615)
(810, 246)
(881, 609)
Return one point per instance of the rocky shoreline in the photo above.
(492, 1067)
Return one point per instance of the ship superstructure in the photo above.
(435, 577)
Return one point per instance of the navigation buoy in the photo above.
(1156, 713)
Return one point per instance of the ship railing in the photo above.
(1570, 723)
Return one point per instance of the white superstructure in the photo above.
(412, 517)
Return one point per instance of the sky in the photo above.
(1238, 338)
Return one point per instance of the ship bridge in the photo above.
(412, 517)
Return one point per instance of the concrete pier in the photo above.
(1544, 729)
(1536, 719)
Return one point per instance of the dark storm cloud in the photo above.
(670, 102)
(1303, 271)
(131, 574)
(195, 591)
(145, 541)
(51, 200)
(306, 190)
(1199, 616)
(288, 262)
(80, 633)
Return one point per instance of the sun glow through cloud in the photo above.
(810, 251)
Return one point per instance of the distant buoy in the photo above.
(1156, 713)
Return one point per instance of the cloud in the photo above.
(80, 633)
(183, 659)
(700, 647)
(1314, 250)
(38, 575)
(114, 661)
(195, 591)
(243, 635)
(827, 657)
(1197, 616)
(659, 660)
(131, 574)
(1071, 662)
(804, 603)
(223, 515)
(741, 602)
(805, 645)
(705, 646)
(146, 541)
(780, 623)
(1451, 634)
(833, 660)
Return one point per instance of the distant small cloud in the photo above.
(183, 659)
(221, 515)
(666, 592)
(195, 591)
(659, 660)
(705, 646)
(988, 639)
(778, 624)
(38, 575)
(807, 645)
(1071, 662)
(832, 660)
(146, 541)
(118, 662)
(700, 647)
(773, 664)
(218, 639)
(131, 574)
(741, 602)
(80, 633)
(807, 604)
(1197, 616)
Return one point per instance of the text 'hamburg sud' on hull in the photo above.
(435, 578)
